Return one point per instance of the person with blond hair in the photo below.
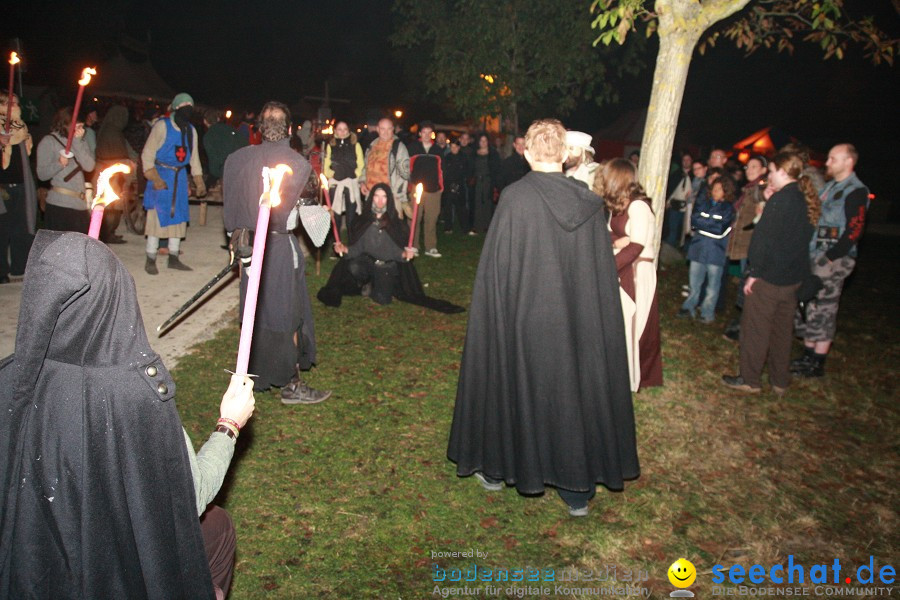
(632, 226)
(777, 263)
(543, 397)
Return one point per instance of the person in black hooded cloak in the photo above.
(100, 490)
(376, 263)
(543, 395)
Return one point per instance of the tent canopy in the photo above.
(129, 79)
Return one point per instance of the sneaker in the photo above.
(578, 512)
(685, 314)
(433, 253)
(491, 485)
(733, 335)
(736, 382)
(297, 392)
(708, 321)
(473, 233)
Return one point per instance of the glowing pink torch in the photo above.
(271, 196)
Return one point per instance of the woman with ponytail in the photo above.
(778, 262)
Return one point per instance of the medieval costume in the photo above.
(283, 309)
(374, 263)
(97, 498)
(543, 395)
(637, 287)
(170, 149)
(67, 207)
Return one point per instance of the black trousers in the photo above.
(382, 275)
(15, 241)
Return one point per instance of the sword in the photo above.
(212, 282)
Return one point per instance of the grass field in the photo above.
(354, 497)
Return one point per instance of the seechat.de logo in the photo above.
(797, 573)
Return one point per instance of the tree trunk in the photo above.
(669, 79)
(681, 23)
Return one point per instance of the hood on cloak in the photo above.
(570, 202)
(96, 491)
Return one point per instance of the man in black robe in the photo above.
(284, 340)
(543, 395)
(376, 263)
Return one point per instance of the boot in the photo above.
(815, 368)
(150, 265)
(798, 365)
(176, 264)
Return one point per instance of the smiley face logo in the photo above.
(682, 573)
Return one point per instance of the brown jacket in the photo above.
(745, 211)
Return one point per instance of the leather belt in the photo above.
(67, 192)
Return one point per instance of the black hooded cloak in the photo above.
(96, 494)
(409, 288)
(283, 307)
(543, 394)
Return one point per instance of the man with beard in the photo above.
(376, 264)
(376, 246)
(171, 147)
(845, 202)
(543, 395)
(284, 340)
(580, 165)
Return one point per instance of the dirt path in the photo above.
(159, 296)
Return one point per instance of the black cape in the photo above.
(283, 307)
(543, 394)
(96, 494)
(409, 288)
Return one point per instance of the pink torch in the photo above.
(324, 181)
(105, 196)
(412, 227)
(85, 79)
(271, 196)
(13, 61)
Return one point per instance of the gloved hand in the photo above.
(240, 246)
(201, 187)
(153, 175)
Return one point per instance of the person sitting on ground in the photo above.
(376, 263)
(100, 488)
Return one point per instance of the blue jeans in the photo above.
(712, 274)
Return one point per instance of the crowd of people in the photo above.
(563, 324)
(791, 234)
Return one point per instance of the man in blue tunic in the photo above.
(169, 150)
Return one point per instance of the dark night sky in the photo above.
(236, 53)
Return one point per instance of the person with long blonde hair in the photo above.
(778, 262)
(632, 225)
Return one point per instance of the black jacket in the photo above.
(779, 249)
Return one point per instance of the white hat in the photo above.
(578, 139)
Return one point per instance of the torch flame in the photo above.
(86, 75)
(418, 193)
(272, 184)
(323, 180)
(105, 193)
(13, 58)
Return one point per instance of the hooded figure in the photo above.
(384, 235)
(543, 395)
(96, 493)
